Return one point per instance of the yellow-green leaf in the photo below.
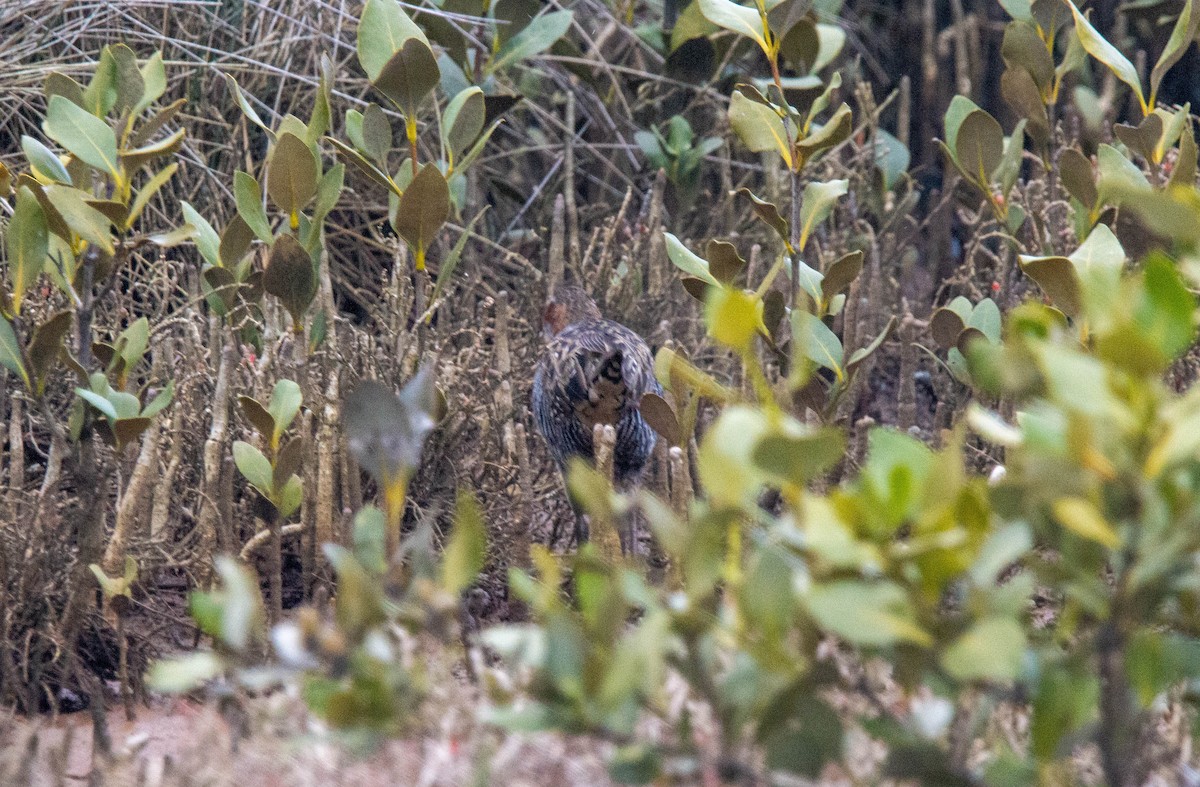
(1084, 519)
(734, 317)
(1098, 47)
(27, 243)
(758, 127)
(737, 18)
(816, 205)
(84, 220)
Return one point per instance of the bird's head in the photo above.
(567, 304)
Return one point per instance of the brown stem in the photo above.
(131, 506)
(1117, 733)
(275, 562)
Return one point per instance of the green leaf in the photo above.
(960, 108)
(290, 497)
(46, 346)
(986, 318)
(1023, 48)
(255, 467)
(840, 274)
(891, 156)
(386, 433)
(832, 40)
(1078, 177)
(834, 132)
(1018, 9)
(241, 609)
(329, 190)
(86, 136)
(800, 455)
(84, 220)
(146, 192)
(292, 175)
(688, 262)
(126, 430)
(1009, 168)
(100, 402)
(383, 29)
(864, 613)
(422, 210)
(127, 78)
(463, 120)
(173, 236)
(768, 212)
(979, 146)
(1003, 548)
(363, 165)
(408, 77)
(258, 416)
(207, 242)
(1100, 259)
(1119, 177)
(816, 205)
(538, 36)
(1167, 310)
(1057, 278)
(286, 399)
(864, 352)
(376, 134)
(737, 18)
(245, 106)
(10, 352)
(133, 341)
(1063, 701)
(758, 127)
(724, 262)
(161, 401)
(248, 196)
(726, 471)
(465, 554)
(44, 162)
(992, 650)
(154, 82)
(354, 128)
(290, 277)
(60, 84)
(817, 342)
(101, 93)
(1181, 36)
(27, 243)
(1099, 47)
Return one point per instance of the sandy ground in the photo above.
(181, 742)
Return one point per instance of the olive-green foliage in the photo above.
(354, 664)
(915, 559)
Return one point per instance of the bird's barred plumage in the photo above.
(593, 371)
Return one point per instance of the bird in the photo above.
(592, 371)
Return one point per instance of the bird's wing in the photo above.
(603, 368)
